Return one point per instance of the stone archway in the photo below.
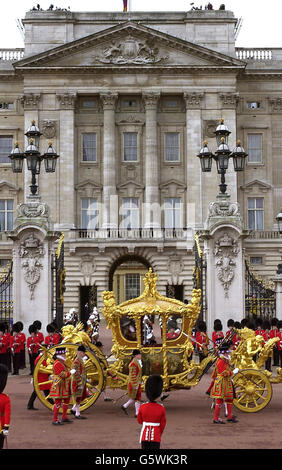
(126, 276)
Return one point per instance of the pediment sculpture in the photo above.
(131, 51)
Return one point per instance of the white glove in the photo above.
(5, 432)
(235, 371)
(73, 371)
(85, 358)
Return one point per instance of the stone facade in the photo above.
(152, 76)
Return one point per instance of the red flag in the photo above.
(124, 5)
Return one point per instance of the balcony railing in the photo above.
(133, 234)
(11, 54)
(265, 235)
(244, 53)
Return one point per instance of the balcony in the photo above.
(11, 55)
(133, 234)
(264, 235)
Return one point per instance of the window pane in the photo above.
(259, 203)
(171, 146)
(10, 219)
(2, 221)
(132, 286)
(10, 204)
(130, 146)
(251, 203)
(6, 145)
(259, 224)
(89, 213)
(251, 220)
(255, 148)
(172, 207)
(89, 147)
(130, 212)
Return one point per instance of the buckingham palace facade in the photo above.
(127, 100)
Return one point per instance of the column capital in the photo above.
(276, 104)
(30, 100)
(151, 98)
(67, 100)
(109, 99)
(193, 100)
(229, 100)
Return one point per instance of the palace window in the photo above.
(130, 212)
(89, 213)
(255, 213)
(6, 214)
(256, 260)
(89, 147)
(130, 146)
(172, 150)
(172, 212)
(254, 148)
(132, 285)
(6, 145)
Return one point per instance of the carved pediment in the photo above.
(172, 188)
(8, 187)
(256, 184)
(88, 188)
(128, 44)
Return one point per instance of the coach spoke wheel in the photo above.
(94, 370)
(253, 390)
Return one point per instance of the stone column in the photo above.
(110, 198)
(223, 238)
(152, 213)
(30, 103)
(193, 103)
(32, 263)
(229, 103)
(66, 163)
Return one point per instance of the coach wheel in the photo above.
(94, 370)
(253, 390)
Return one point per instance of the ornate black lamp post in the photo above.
(222, 155)
(33, 156)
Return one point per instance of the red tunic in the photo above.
(222, 387)
(41, 376)
(40, 337)
(217, 337)
(60, 387)
(52, 340)
(5, 411)
(279, 343)
(16, 343)
(33, 345)
(23, 339)
(4, 343)
(153, 419)
(203, 340)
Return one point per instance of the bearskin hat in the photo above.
(154, 387)
(217, 326)
(81, 348)
(274, 321)
(202, 326)
(3, 377)
(16, 328)
(230, 322)
(266, 325)
(135, 352)
(31, 329)
(37, 324)
(50, 328)
(279, 324)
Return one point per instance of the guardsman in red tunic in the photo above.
(39, 335)
(152, 415)
(16, 347)
(53, 338)
(4, 343)
(60, 388)
(222, 390)
(33, 347)
(274, 333)
(45, 387)
(217, 335)
(5, 406)
(202, 340)
(134, 384)
(78, 381)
